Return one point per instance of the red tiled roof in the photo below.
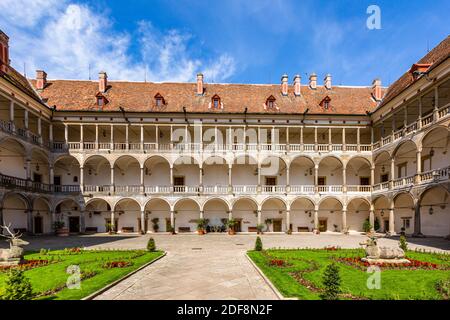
(73, 95)
(20, 82)
(439, 53)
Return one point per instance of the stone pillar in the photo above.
(11, 116)
(26, 119)
(287, 179)
(142, 181)
(372, 175)
(316, 219)
(372, 219)
(230, 182)
(96, 136)
(316, 178)
(288, 220)
(28, 169)
(418, 165)
(82, 221)
(112, 137)
(358, 139)
(344, 146)
(127, 137)
(200, 177)
(230, 215)
(113, 221)
(30, 228)
(142, 137)
(143, 222)
(39, 127)
(112, 179)
(81, 137)
(171, 178)
(50, 135)
(391, 220)
(392, 173)
(417, 221)
(329, 140)
(344, 220)
(301, 138)
(259, 216)
(51, 175)
(201, 214)
(172, 220)
(66, 133)
(259, 177)
(344, 180)
(82, 179)
(315, 139)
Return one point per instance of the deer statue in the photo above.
(374, 252)
(13, 255)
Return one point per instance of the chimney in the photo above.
(376, 90)
(297, 81)
(284, 84)
(41, 79)
(4, 52)
(327, 81)
(102, 81)
(199, 84)
(313, 81)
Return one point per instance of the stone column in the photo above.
(171, 178)
(143, 222)
(11, 116)
(96, 136)
(200, 178)
(172, 220)
(82, 221)
(372, 219)
(288, 220)
(66, 134)
(201, 214)
(344, 146)
(372, 175)
(127, 137)
(230, 182)
(301, 139)
(259, 177)
(344, 220)
(344, 180)
(392, 173)
(259, 216)
(50, 135)
(112, 179)
(391, 220)
(28, 169)
(315, 139)
(81, 137)
(288, 184)
(329, 140)
(358, 139)
(26, 119)
(142, 181)
(112, 137)
(417, 221)
(142, 137)
(51, 174)
(418, 166)
(230, 215)
(113, 221)
(316, 178)
(316, 219)
(82, 179)
(39, 127)
(30, 228)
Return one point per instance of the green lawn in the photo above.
(305, 267)
(49, 281)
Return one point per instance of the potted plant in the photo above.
(289, 231)
(155, 222)
(268, 222)
(109, 227)
(201, 225)
(60, 230)
(260, 228)
(335, 227)
(230, 225)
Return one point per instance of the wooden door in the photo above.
(38, 225)
(277, 225)
(323, 225)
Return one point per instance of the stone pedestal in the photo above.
(385, 261)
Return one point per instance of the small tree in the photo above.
(258, 244)
(155, 222)
(366, 226)
(402, 243)
(331, 281)
(151, 245)
(17, 286)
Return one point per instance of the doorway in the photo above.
(277, 225)
(74, 224)
(386, 225)
(238, 226)
(38, 225)
(323, 227)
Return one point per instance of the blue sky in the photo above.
(251, 41)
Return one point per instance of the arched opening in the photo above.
(98, 216)
(97, 174)
(127, 173)
(39, 168)
(15, 212)
(330, 215)
(216, 211)
(301, 175)
(436, 149)
(273, 215)
(41, 215)
(68, 211)
(215, 175)
(435, 212)
(358, 175)
(302, 215)
(330, 175)
(381, 214)
(358, 211)
(405, 160)
(156, 175)
(404, 213)
(157, 213)
(245, 213)
(186, 175)
(187, 213)
(244, 175)
(382, 168)
(128, 214)
(273, 175)
(12, 159)
(66, 172)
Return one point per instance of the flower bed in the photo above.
(278, 263)
(415, 264)
(29, 264)
(117, 264)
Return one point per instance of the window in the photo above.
(100, 101)
(271, 181)
(384, 178)
(159, 100)
(326, 103)
(215, 102)
(322, 181)
(406, 223)
(178, 181)
(270, 102)
(401, 170)
(364, 181)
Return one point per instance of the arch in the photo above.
(377, 156)
(435, 148)
(247, 199)
(328, 198)
(432, 131)
(65, 156)
(359, 198)
(330, 156)
(94, 156)
(97, 171)
(61, 201)
(245, 213)
(358, 211)
(267, 157)
(298, 198)
(18, 142)
(302, 156)
(165, 201)
(44, 199)
(187, 217)
(181, 200)
(330, 214)
(16, 208)
(98, 213)
(22, 197)
(13, 156)
(128, 217)
(434, 206)
(157, 213)
(251, 159)
(41, 215)
(274, 214)
(215, 160)
(401, 145)
(221, 199)
(367, 161)
(186, 160)
(124, 199)
(274, 198)
(330, 169)
(162, 157)
(398, 194)
(133, 159)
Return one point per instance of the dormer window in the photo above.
(215, 102)
(159, 100)
(326, 103)
(100, 100)
(270, 102)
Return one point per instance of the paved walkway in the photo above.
(213, 266)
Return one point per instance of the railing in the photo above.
(323, 147)
(6, 126)
(32, 186)
(186, 189)
(358, 188)
(245, 189)
(404, 181)
(303, 189)
(273, 189)
(380, 187)
(157, 189)
(98, 189)
(330, 189)
(133, 189)
(435, 175)
(352, 147)
(215, 189)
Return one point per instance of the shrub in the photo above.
(155, 222)
(258, 244)
(331, 281)
(403, 244)
(151, 245)
(17, 286)
(366, 226)
(443, 286)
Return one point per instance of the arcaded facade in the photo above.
(295, 156)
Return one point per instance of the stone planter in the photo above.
(231, 232)
(201, 232)
(62, 232)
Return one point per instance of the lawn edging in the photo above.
(269, 283)
(112, 284)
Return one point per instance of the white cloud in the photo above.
(73, 38)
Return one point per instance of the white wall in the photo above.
(245, 210)
(437, 224)
(187, 215)
(14, 212)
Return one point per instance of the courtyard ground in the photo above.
(213, 266)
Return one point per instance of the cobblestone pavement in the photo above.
(213, 266)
